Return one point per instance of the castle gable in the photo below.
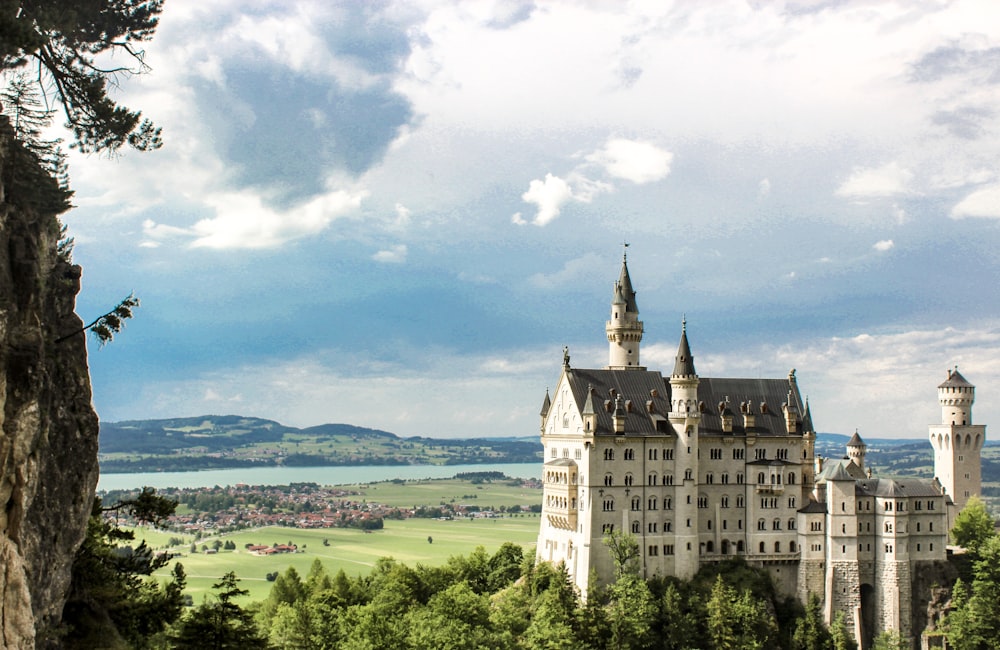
(643, 392)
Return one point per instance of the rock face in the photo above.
(48, 427)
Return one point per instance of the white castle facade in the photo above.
(700, 469)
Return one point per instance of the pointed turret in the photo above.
(624, 330)
(684, 361)
(856, 449)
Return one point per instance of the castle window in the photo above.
(654, 550)
(930, 505)
(739, 501)
(715, 454)
(708, 524)
(689, 499)
(918, 526)
(791, 524)
(760, 478)
(739, 524)
(609, 480)
(609, 505)
(761, 524)
(781, 454)
(668, 549)
(725, 525)
(777, 547)
(689, 525)
(651, 503)
(636, 503)
(931, 546)
(651, 479)
(791, 502)
(791, 478)
(628, 479)
(739, 546)
(630, 454)
(668, 504)
(668, 454)
(607, 529)
(554, 453)
(918, 505)
(609, 454)
(636, 527)
(578, 454)
(724, 502)
(762, 548)
(918, 546)
(738, 454)
(687, 475)
(710, 547)
(791, 547)
(702, 502)
(930, 526)
(668, 479)
(652, 454)
(668, 527)
(725, 478)
(760, 454)
(888, 527)
(776, 524)
(565, 453)
(710, 478)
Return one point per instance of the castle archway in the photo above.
(867, 615)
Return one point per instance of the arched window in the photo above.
(628, 479)
(636, 527)
(777, 547)
(609, 480)
(651, 480)
(791, 478)
(609, 454)
(762, 548)
(636, 503)
(710, 547)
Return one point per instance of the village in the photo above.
(204, 512)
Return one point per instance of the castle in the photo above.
(700, 469)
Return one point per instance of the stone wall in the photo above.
(48, 442)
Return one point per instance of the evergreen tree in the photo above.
(973, 526)
(220, 623)
(65, 42)
(839, 635)
(974, 622)
(810, 631)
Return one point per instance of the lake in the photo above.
(320, 475)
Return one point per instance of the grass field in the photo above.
(408, 494)
(352, 550)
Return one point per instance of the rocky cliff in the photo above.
(48, 427)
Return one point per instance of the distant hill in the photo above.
(224, 441)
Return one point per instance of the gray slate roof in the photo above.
(954, 379)
(637, 386)
(897, 488)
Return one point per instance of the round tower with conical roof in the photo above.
(856, 449)
(624, 329)
(957, 441)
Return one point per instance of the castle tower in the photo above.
(685, 417)
(957, 441)
(856, 449)
(624, 329)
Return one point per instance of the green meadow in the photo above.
(410, 541)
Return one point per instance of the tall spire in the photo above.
(624, 286)
(624, 329)
(684, 361)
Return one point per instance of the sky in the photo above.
(396, 214)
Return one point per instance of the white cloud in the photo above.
(394, 255)
(764, 188)
(984, 202)
(631, 160)
(573, 271)
(883, 245)
(243, 220)
(888, 180)
(549, 196)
